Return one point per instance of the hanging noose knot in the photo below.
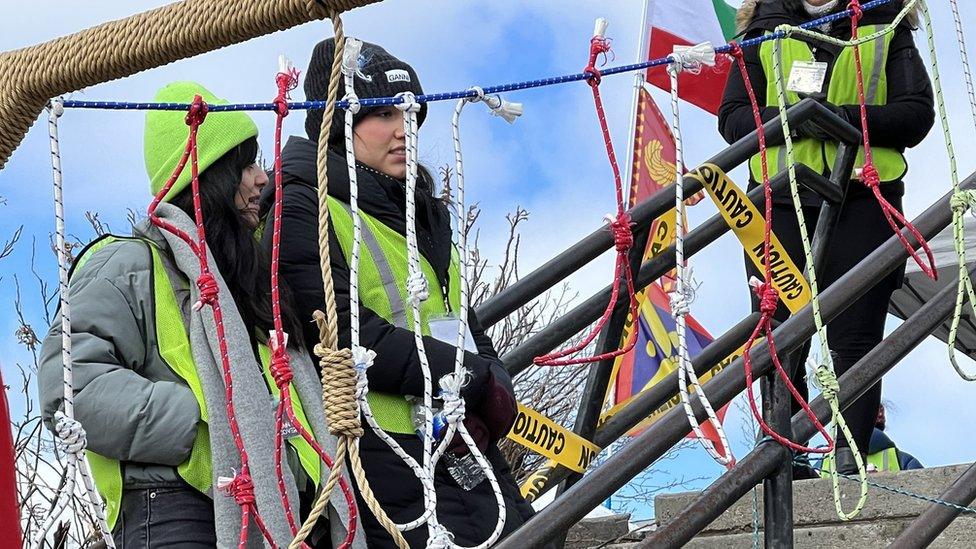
(339, 380)
(71, 435)
(856, 11)
(280, 368)
(208, 290)
(962, 201)
(735, 50)
(198, 111)
(870, 177)
(768, 298)
(241, 488)
(623, 236)
(598, 46)
(827, 380)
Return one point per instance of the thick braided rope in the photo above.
(417, 290)
(362, 356)
(121, 48)
(330, 337)
(961, 200)
(74, 447)
(683, 294)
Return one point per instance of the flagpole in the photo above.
(638, 80)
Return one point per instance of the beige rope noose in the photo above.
(338, 375)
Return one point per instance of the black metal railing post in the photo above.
(778, 487)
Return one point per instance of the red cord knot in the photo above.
(623, 236)
(198, 111)
(281, 366)
(241, 488)
(287, 80)
(856, 11)
(768, 297)
(208, 290)
(869, 176)
(598, 46)
(735, 50)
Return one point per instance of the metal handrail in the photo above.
(656, 440)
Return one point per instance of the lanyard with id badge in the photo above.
(807, 77)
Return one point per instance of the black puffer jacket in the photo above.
(489, 395)
(901, 123)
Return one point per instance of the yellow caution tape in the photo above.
(663, 232)
(550, 439)
(748, 225)
(532, 486)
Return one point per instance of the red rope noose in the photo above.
(280, 363)
(869, 173)
(241, 486)
(768, 296)
(620, 228)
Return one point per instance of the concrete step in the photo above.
(816, 523)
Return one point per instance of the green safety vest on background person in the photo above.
(382, 289)
(841, 86)
(885, 461)
(174, 347)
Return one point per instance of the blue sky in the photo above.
(551, 161)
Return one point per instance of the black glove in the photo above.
(811, 129)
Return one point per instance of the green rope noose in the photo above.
(824, 373)
(961, 200)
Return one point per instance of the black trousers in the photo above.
(167, 517)
(861, 228)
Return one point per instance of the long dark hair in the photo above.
(243, 264)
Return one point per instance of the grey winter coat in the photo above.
(136, 410)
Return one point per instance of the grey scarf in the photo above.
(253, 406)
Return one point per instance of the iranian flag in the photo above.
(686, 23)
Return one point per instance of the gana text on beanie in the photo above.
(166, 133)
(380, 74)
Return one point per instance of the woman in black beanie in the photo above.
(466, 504)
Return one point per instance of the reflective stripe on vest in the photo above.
(841, 90)
(382, 289)
(174, 348)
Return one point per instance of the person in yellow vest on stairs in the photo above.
(883, 455)
(149, 388)
(900, 113)
(466, 504)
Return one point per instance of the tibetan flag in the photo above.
(655, 356)
(687, 23)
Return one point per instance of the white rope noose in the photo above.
(689, 59)
(363, 357)
(451, 384)
(418, 292)
(70, 434)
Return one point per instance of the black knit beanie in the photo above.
(380, 75)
